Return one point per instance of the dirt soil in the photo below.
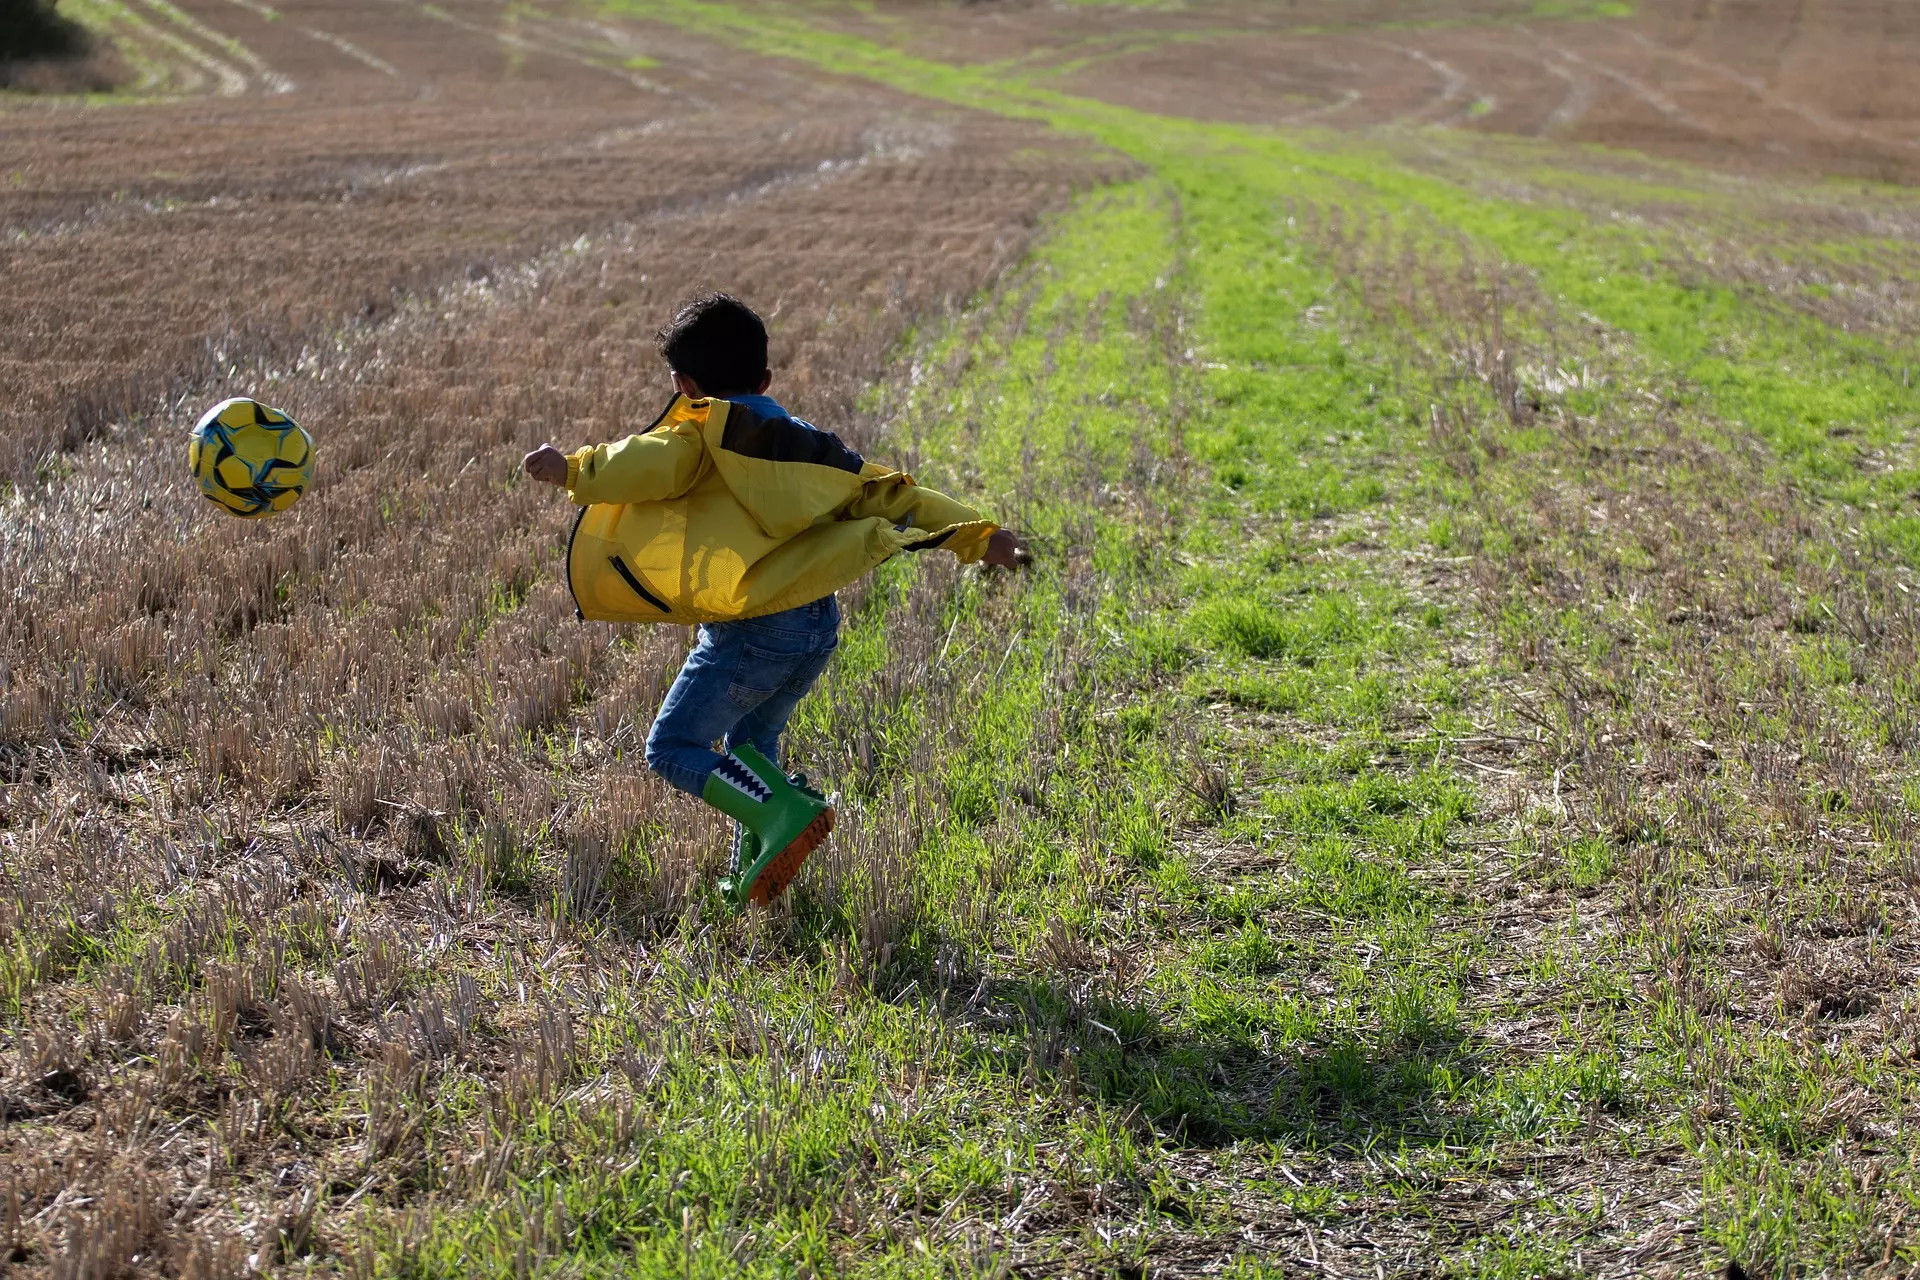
(358, 154)
(446, 233)
(1804, 86)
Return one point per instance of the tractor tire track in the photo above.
(1640, 89)
(271, 80)
(201, 70)
(544, 48)
(1772, 97)
(1453, 85)
(268, 13)
(1574, 106)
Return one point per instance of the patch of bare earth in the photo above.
(1773, 87)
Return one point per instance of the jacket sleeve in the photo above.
(908, 505)
(644, 468)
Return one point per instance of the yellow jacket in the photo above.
(714, 513)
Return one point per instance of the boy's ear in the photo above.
(766, 380)
(686, 386)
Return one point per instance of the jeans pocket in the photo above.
(808, 669)
(761, 674)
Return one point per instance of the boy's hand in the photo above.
(1007, 550)
(547, 465)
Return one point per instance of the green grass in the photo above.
(1338, 832)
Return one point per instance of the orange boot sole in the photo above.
(780, 872)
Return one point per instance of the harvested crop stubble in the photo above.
(417, 416)
(1846, 256)
(262, 780)
(1717, 671)
(187, 279)
(1453, 818)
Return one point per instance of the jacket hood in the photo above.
(787, 477)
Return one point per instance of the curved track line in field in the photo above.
(353, 51)
(153, 59)
(341, 43)
(228, 80)
(1572, 107)
(1760, 89)
(1453, 85)
(1347, 99)
(522, 43)
(273, 80)
(1638, 88)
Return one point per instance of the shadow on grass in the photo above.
(1207, 1089)
(1199, 1086)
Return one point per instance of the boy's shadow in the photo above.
(1200, 1088)
(1195, 1086)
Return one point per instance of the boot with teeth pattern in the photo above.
(783, 823)
(746, 847)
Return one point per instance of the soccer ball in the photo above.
(250, 459)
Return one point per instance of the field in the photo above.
(1442, 803)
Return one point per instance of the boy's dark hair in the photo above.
(716, 340)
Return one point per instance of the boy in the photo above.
(731, 513)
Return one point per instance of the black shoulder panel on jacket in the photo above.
(784, 440)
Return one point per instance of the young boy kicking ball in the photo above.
(731, 513)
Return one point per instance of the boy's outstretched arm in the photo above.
(644, 468)
(897, 498)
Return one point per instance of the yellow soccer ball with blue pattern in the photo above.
(250, 459)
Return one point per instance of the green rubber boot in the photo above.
(746, 845)
(784, 823)
(746, 848)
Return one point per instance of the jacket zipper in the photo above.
(578, 612)
(639, 587)
(618, 564)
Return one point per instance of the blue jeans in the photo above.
(740, 683)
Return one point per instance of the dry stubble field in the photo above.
(1442, 805)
